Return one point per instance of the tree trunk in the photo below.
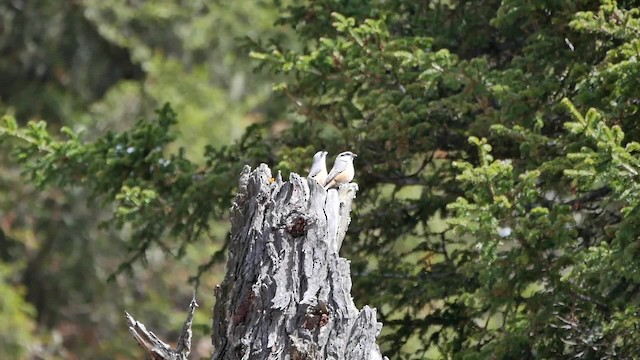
(287, 292)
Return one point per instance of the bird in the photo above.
(342, 171)
(318, 170)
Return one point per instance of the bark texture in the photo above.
(287, 292)
(156, 348)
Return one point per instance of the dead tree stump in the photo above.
(287, 292)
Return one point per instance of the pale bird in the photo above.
(342, 171)
(318, 170)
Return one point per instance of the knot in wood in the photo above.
(317, 316)
(298, 227)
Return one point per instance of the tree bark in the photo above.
(156, 348)
(287, 292)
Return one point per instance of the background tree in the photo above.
(96, 67)
(497, 167)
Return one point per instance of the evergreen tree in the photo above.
(497, 167)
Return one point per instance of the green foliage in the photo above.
(496, 218)
(586, 273)
(191, 56)
(18, 320)
(91, 69)
(528, 204)
(154, 190)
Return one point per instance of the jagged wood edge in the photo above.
(236, 309)
(156, 348)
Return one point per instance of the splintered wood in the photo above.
(287, 292)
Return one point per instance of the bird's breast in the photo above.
(321, 177)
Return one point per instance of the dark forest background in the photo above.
(498, 165)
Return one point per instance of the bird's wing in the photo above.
(315, 169)
(338, 167)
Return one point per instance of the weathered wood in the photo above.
(156, 348)
(287, 292)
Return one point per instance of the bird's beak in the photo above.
(355, 155)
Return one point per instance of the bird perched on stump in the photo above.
(318, 170)
(342, 171)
